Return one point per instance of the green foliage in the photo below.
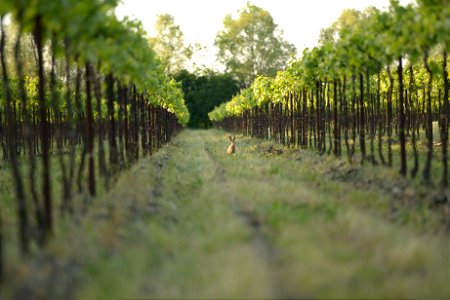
(92, 34)
(204, 92)
(357, 42)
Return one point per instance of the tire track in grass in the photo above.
(262, 248)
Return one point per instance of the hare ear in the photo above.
(234, 137)
(230, 138)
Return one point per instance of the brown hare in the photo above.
(232, 148)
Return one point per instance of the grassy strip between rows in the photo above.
(194, 222)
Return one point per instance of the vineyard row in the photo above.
(89, 101)
(370, 88)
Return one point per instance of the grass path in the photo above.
(194, 222)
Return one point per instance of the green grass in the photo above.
(194, 222)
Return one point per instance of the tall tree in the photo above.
(169, 44)
(27, 49)
(252, 45)
(347, 20)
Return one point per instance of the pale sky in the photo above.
(200, 20)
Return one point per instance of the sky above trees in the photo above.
(201, 20)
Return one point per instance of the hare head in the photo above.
(232, 148)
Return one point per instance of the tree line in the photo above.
(94, 100)
(248, 44)
(376, 85)
(202, 92)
